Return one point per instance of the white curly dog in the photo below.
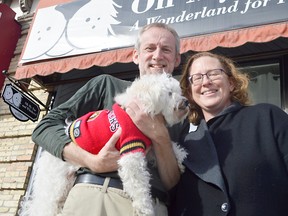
(54, 178)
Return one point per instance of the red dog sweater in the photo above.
(93, 130)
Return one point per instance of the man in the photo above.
(98, 189)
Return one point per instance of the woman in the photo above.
(238, 154)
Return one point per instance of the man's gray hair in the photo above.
(158, 25)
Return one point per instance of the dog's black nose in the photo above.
(186, 103)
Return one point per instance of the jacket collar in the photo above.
(203, 159)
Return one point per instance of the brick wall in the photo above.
(17, 151)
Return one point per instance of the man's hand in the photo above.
(104, 161)
(107, 158)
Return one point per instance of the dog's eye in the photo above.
(170, 94)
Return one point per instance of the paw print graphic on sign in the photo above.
(8, 94)
(17, 99)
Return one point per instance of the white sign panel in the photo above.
(86, 26)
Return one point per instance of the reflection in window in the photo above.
(264, 83)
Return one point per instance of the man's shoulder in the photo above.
(107, 78)
(103, 83)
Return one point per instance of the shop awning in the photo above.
(201, 42)
(233, 38)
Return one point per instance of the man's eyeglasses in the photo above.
(197, 79)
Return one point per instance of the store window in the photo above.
(265, 85)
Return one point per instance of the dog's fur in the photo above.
(54, 178)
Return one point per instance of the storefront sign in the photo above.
(21, 106)
(86, 26)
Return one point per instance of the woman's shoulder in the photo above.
(265, 106)
(265, 109)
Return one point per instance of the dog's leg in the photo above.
(52, 182)
(180, 154)
(136, 182)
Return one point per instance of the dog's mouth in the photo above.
(183, 105)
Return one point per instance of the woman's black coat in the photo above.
(237, 165)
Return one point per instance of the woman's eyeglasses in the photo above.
(197, 79)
